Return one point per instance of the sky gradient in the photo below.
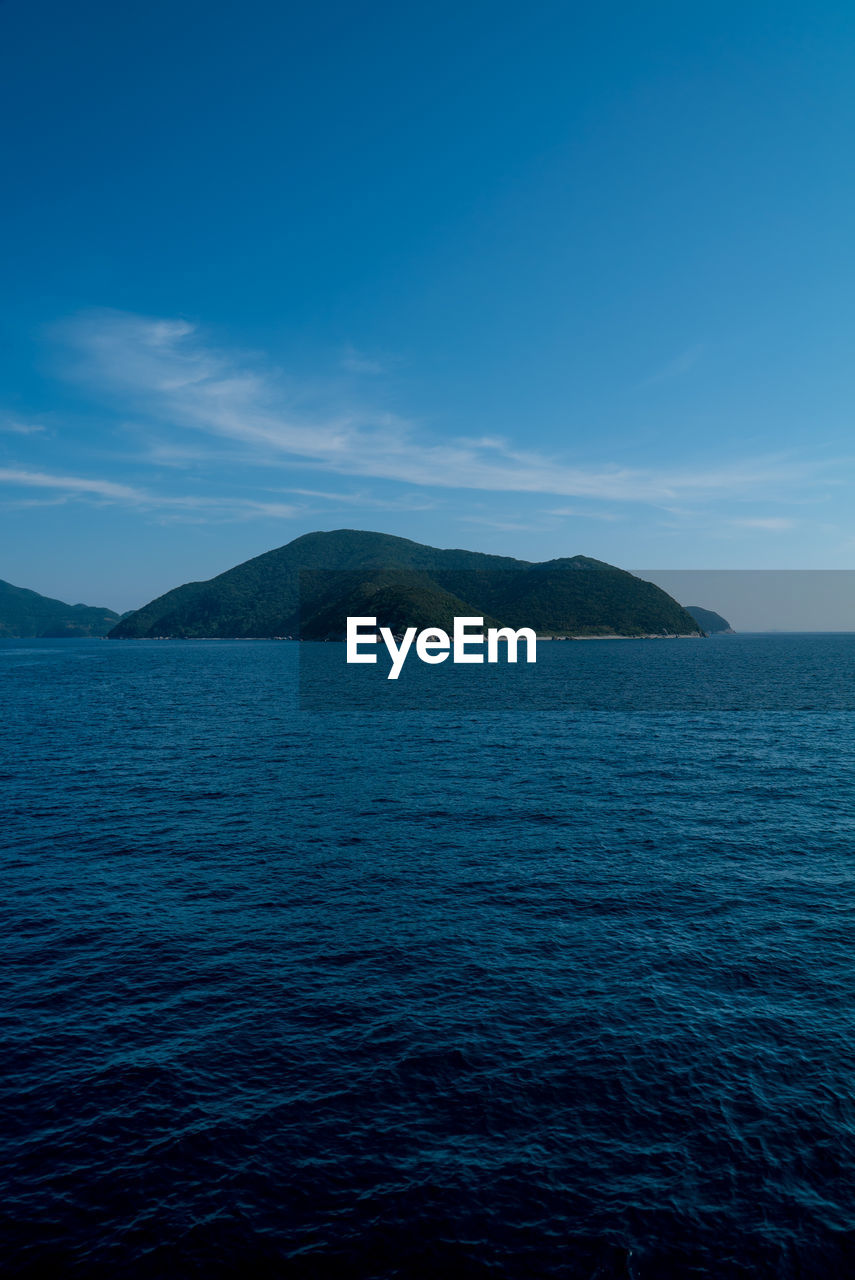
(538, 280)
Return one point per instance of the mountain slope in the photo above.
(26, 614)
(707, 620)
(262, 597)
(398, 598)
(556, 597)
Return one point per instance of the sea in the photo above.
(559, 984)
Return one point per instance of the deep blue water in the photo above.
(495, 993)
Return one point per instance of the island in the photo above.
(307, 589)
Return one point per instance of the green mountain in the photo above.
(712, 623)
(398, 598)
(26, 614)
(309, 587)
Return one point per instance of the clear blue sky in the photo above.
(538, 279)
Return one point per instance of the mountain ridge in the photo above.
(25, 614)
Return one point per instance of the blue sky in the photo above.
(535, 279)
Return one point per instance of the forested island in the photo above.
(307, 589)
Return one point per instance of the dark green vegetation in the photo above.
(398, 598)
(712, 623)
(27, 614)
(404, 583)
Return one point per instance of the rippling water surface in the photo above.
(496, 993)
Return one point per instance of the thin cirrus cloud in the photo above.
(357, 362)
(774, 524)
(182, 506)
(73, 485)
(11, 426)
(583, 512)
(164, 371)
(405, 502)
(680, 364)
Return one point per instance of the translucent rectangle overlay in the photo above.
(649, 668)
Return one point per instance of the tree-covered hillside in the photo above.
(709, 621)
(26, 614)
(310, 585)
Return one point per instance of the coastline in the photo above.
(686, 635)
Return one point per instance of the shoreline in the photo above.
(685, 635)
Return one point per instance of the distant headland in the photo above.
(27, 615)
(712, 623)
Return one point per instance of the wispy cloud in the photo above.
(674, 368)
(584, 512)
(405, 502)
(25, 504)
(775, 524)
(72, 485)
(206, 510)
(183, 505)
(505, 526)
(165, 372)
(358, 362)
(13, 426)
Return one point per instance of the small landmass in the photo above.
(713, 624)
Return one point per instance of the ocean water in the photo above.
(535, 991)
